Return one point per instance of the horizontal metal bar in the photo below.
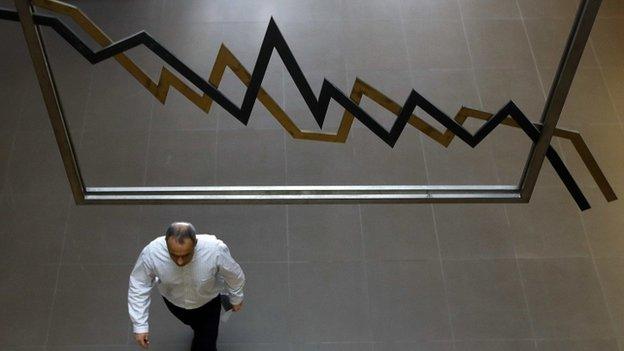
(307, 189)
(486, 197)
(305, 194)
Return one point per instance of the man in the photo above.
(190, 271)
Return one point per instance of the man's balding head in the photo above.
(180, 231)
(181, 241)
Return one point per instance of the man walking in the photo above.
(190, 271)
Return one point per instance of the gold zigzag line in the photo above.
(225, 59)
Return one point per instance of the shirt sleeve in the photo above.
(141, 283)
(232, 274)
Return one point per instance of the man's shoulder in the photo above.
(210, 242)
(208, 239)
(156, 245)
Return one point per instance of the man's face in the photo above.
(181, 254)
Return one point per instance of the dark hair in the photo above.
(180, 231)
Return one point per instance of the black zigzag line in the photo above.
(274, 39)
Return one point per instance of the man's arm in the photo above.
(140, 286)
(232, 275)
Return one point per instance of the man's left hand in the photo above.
(237, 308)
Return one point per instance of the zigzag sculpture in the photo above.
(509, 115)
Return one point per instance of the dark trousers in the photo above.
(204, 320)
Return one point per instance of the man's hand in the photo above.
(237, 308)
(142, 339)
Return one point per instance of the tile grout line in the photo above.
(147, 147)
(287, 209)
(346, 261)
(217, 133)
(525, 297)
(283, 133)
(7, 186)
(365, 274)
(58, 272)
(362, 239)
(600, 284)
(443, 275)
(540, 79)
(431, 207)
(527, 311)
(496, 171)
(475, 82)
(619, 114)
(68, 216)
(288, 275)
(528, 38)
(604, 81)
(83, 128)
(470, 56)
(145, 168)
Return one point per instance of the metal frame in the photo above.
(577, 40)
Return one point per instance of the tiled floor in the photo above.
(538, 277)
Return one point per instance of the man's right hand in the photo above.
(142, 339)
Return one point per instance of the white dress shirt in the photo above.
(212, 270)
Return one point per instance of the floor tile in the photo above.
(27, 292)
(369, 10)
(577, 345)
(489, 9)
(510, 51)
(324, 233)
(548, 8)
(495, 345)
(475, 231)
(328, 303)
(250, 157)
(398, 232)
(351, 346)
(407, 301)
(607, 40)
(406, 346)
(86, 314)
(614, 81)
(266, 299)
(548, 38)
(253, 233)
(181, 158)
(588, 101)
(36, 166)
(564, 298)
(117, 101)
(115, 158)
(104, 234)
(486, 299)
(43, 219)
(421, 36)
(431, 9)
(602, 225)
(549, 226)
(609, 271)
(364, 39)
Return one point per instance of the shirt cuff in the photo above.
(140, 329)
(235, 300)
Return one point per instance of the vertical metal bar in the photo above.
(50, 97)
(579, 35)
